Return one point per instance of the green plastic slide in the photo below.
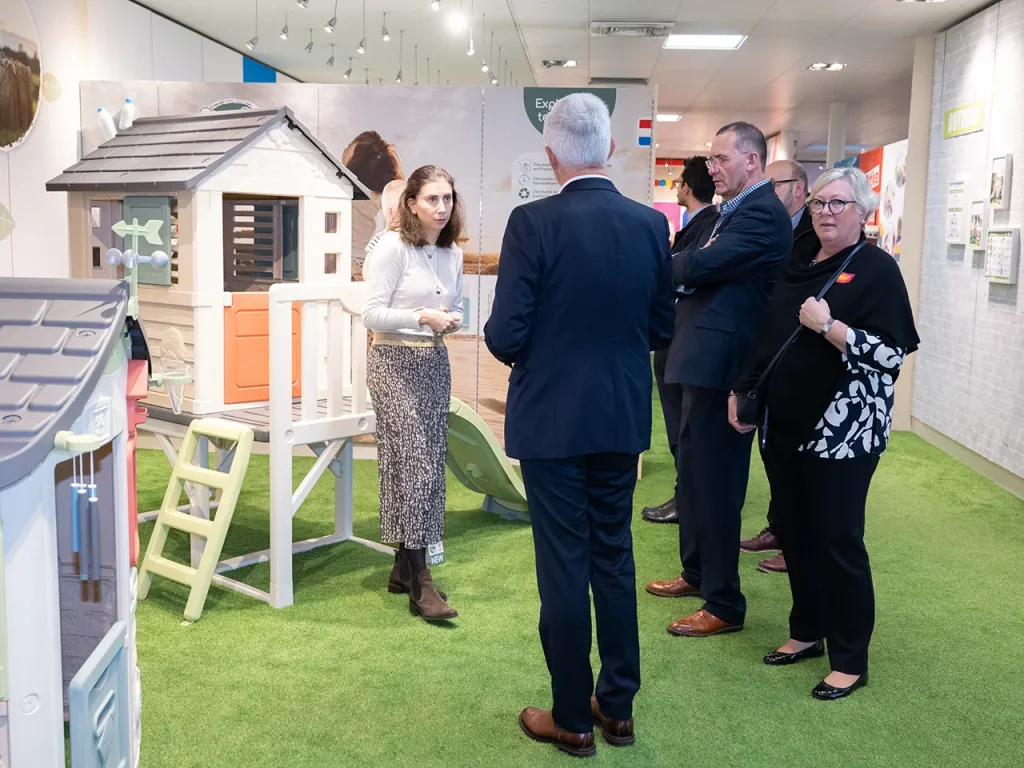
(478, 462)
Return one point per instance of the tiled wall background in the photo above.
(969, 381)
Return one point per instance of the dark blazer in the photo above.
(803, 227)
(697, 230)
(584, 293)
(732, 279)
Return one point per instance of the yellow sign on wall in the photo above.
(967, 118)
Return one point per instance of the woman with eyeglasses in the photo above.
(414, 298)
(827, 411)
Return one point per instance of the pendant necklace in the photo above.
(433, 269)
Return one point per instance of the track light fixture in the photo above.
(384, 29)
(361, 49)
(333, 22)
(302, 3)
(348, 72)
(256, 29)
(284, 29)
(401, 36)
(330, 61)
(435, 5)
(309, 48)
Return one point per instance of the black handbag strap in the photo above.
(782, 350)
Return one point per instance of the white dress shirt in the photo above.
(407, 278)
(581, 177)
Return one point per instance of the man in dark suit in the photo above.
(723, 291)
(790, 181)
(584, 293)
(694, 191)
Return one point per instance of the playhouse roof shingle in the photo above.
(178, 152)
(55, 339)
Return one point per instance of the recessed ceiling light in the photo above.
(668, 117)
(704, 42)
(823, 67)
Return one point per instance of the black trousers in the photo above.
(671, 397)
(821, 527)
(713, 464)
(581, 509)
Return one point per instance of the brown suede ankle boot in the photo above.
(426, 601)
(400, 579)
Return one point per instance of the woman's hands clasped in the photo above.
(814, 314)
(438, 320)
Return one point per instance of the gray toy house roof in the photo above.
(178, 152)
(55, 339)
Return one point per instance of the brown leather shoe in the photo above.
(677, 587)
(775, 564)
(618, 733)
(425, 600)
(540, 726)
(765, 541)
(702, 624)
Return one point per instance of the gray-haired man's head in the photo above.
(578, 136)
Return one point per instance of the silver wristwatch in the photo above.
(827, 326)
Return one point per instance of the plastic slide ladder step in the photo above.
(220, 429)
(182, 522)
(169, 569)
(192, 473)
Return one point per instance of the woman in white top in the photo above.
(414, 299)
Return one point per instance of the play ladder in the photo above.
(214, 531)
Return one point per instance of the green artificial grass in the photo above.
(348, 677)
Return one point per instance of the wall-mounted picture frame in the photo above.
(976, 232)
(1002, 255)
(956, 212)
(1000, 182)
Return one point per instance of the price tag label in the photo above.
(435, 554)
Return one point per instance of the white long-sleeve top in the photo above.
(407, 278)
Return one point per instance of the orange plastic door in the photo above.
(247, 349)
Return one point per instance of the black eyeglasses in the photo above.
(835, 207)
(783, 181)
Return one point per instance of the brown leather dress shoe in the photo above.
(618, 733)
(677, 587)
(765, 541)
(540, 726)
(776, 564)
(702, 624)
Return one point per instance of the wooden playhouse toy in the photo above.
(67, 585)
(250, 199)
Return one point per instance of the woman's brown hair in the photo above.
(409, 224)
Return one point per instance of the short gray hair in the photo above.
(578, 130)
(865, 198)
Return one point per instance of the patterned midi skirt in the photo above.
(411, 390)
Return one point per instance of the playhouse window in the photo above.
(330, 223)
(261, 243)
(330, 263)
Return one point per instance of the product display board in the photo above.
(1002, 255)
(977, 235)
(999, 188)
(956, 212)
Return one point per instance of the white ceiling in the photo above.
(765, 82)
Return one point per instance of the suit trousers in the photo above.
(671, 397)
(821, 527)
(713, 465)
(581, 509)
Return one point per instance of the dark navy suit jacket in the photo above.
(584, 293)
(717, 325)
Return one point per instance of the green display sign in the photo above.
(967, 118)
(539, 101)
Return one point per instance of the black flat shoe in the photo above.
(778, 658)
(825, 692)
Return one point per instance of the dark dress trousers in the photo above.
(715, 332)
(693, 235)
(583, 295)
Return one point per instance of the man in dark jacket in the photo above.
(584, 294)
(723, 290)
(695, 191)
(790, 181)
